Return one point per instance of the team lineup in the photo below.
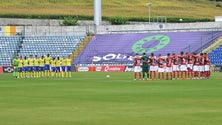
(183, 66)
(35, 67)
(171, 67)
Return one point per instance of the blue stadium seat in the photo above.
(8, 47)
(215, 56)
(53, 45)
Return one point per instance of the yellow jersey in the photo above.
(25, 63)
(47, 60)
(57, 63)
(36, 62)
(53, 63)
(41, 62)
(68, 62)
(64, 62)
(30, 61)
(20, 63)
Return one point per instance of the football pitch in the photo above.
(93, 99)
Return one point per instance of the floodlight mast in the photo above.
(149, 6)
(97, 12)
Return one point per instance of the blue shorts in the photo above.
(20, 69)
(30, 68)
(36, 68)
(25, 69)
(63, 68)
(47, 67)
(58, 69)
(41, 68)
(53, 69)
(69, 68)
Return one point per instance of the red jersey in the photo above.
(196, 60)
(169, 61)
(182, 59)
(201, 60)
(189, 58)
(160, 61)
(137, 61)
(152, 60)
(206, 60)
(175, 60)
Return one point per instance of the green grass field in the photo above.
(92, 99)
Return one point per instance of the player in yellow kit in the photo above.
(64, 63)
(47, 61)
(36, 67)
(53, 67)
(25, 67)
(58, 67)
(41, 67)
(68, 67)
(20, 67)
(30, 66)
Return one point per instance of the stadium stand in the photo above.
(215, 56)
(53, 45)
(8, 47)
(120, 48)
(108, 48)
(37, 45)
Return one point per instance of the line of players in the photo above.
(183, 66)
(44, 67)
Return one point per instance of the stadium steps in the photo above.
(19, 45)
(82, 45)
(213, 46)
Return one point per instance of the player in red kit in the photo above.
(201, 65)
(161, 66)
(195, 66)
(206, 66)
(153, 67)
(183, 65)
(168, 66)
(175, 66)
(189, 57)
(137, 67)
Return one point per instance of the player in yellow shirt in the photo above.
(30, 66)
(20, 67)
(69, 67)
(64, 64)
(41, 67)
(25, 67)
(47, 61)
(58, 67)
(36, 67)
(53, 67)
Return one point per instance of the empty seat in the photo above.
(8, 47)
(53, 45)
